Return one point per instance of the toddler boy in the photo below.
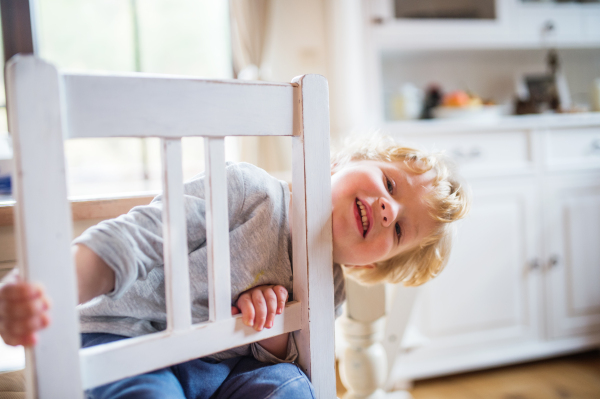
(392, 208)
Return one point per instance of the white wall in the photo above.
(323, 37)
(296, 46)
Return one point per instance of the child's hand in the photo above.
(23, 311)
(259, 305)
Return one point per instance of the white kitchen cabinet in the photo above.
(547, 23)
(522, 281)
(482, 153)
(515, 24)
(516, 288)
(390, 32)
(572, 149)
(591, 24)
(572, 249)
(488, 291)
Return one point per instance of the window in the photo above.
(188, 37)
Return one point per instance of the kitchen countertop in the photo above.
(513, 122)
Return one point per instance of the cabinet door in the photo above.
(554, 23)
(487, 293)
(447, 24)
(572, 228)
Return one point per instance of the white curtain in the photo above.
(250, 30)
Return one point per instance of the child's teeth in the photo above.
(363, 215)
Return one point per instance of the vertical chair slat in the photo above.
(43, 222)
(313, 283)
(217, 230)
(177, 282)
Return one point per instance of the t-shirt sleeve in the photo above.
(132, 244)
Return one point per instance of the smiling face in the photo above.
(378, 211)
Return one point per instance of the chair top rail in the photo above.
(142, 105)
(110, 362)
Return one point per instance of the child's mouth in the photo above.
(363, 216)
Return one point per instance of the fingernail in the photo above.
(269, 325)
(251, 323)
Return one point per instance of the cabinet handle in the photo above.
(474, 153)
(534, 264)
(548, 27)
(553, 261)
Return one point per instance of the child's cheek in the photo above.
(381, 248)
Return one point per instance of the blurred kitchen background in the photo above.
(510, 89)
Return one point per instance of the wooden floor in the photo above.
(573, 377)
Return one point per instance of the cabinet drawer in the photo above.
(483, 153)
(573, 148)
(551, 24)
(591, 24)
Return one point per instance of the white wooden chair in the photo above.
(47, 106)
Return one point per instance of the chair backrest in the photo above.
(47, 106)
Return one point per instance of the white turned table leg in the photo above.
(363, 363)
(363, 366)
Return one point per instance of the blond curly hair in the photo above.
(448, 201)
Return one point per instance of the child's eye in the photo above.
(398, 231)
(390, 186)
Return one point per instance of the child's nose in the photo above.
(387, 212)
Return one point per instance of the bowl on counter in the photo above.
(480, 113)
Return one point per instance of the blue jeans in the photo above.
(235, 378)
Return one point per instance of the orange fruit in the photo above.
(456, 98)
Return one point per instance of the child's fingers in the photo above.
(260, 307)
(282, 296)
(22, 331)
(234, 310)
(22, 309)
(244, 303)
(271, 301)
(28, 340)
(20, 291)
(27, 326)
(25, 340)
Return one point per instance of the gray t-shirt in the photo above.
(132, 246)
